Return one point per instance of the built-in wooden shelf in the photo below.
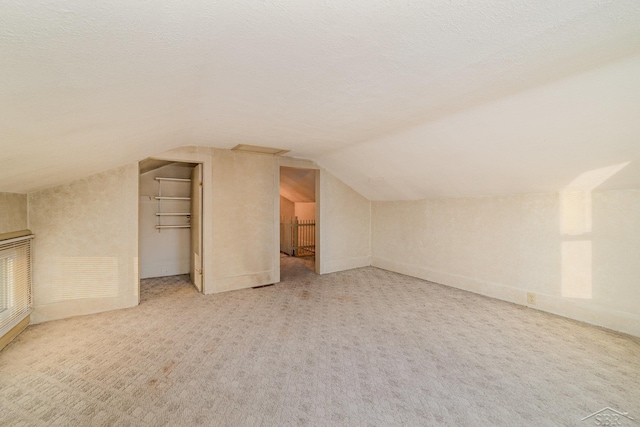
(160, 197)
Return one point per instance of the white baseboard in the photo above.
(574, 309)
(71, 308)
(225, 284)
(345, 264)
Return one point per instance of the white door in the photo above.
(196, 227)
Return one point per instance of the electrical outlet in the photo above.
(531, 298)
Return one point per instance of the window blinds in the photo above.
(15, 281)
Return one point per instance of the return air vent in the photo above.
(260, 150)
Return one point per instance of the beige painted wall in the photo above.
(507, 246)
(86, 248)
(87, 231)
(287, 208)
(245, 190)
(164, 253)
(13, 212)
(345, 231)
(305, 211)
(240, 217)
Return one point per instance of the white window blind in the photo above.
(15, 281)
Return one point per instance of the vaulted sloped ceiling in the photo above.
(401, 100)
(298, 185)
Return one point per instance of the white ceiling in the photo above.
(401, 100)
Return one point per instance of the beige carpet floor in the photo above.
(361, 347)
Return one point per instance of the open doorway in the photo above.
(170, 213)
(298, 219)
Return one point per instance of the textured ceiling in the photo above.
(399, 99)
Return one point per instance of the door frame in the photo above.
(195, 243)
(290, 162)
(203, 157)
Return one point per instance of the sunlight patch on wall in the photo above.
(84, 277)
(576, 219)
(576, 212)
(589, 181)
